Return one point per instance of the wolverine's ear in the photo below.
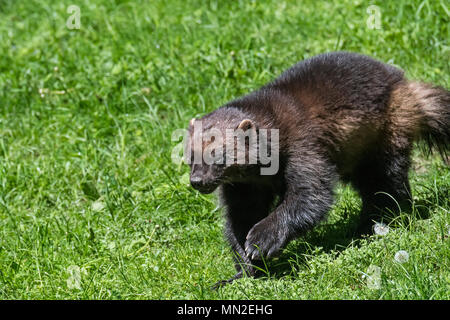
(191, 123)
(246, 124)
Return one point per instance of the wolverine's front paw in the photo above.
(223, 283)
(265, 239)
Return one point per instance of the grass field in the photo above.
(91, 205)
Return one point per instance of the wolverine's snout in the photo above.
(203, 185)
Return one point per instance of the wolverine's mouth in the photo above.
(205, 189)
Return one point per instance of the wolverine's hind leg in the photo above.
(382, 181)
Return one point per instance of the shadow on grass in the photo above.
(334, 238)
(328, 238)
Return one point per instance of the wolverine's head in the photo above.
(218, 146)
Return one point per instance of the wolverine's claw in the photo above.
(262, 242)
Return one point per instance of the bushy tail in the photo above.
(427, 107)
(435, 128)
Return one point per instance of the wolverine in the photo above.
(338, 116)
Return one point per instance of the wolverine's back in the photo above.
(340, 79)
(341, 101)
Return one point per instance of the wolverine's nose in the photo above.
(202, 185)
(196, 182)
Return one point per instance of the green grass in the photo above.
(91, 207)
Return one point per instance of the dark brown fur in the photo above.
(341, 116)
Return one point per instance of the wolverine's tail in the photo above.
(426, 109)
